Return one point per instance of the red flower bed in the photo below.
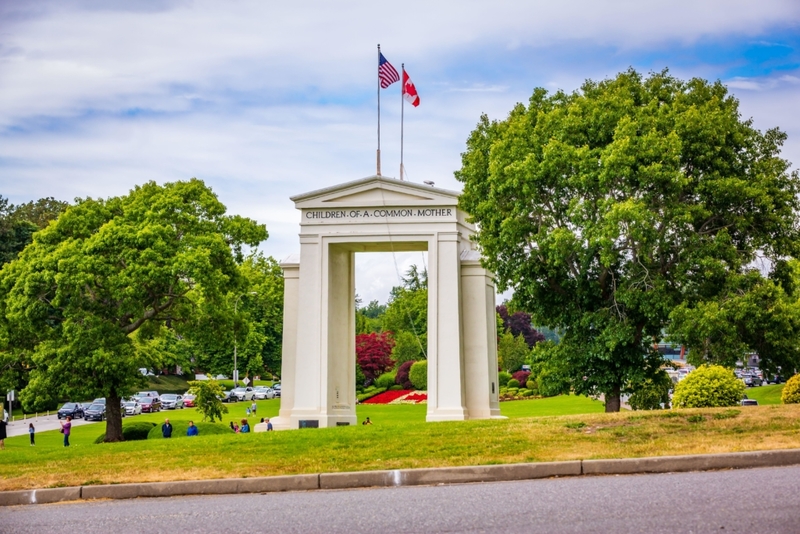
(386, 397)
(417, 397)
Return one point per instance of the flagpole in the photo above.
(402, 113)
(379, 113)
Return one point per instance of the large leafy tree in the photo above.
(252, 313)
(407, 311)
(18, 223)
(612, 207)
(82, 299)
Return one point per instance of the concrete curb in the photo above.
(408, 477)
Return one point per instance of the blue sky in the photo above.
(264, 101)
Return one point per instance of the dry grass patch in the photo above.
(398, 446)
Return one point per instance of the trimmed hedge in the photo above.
(513, 383)
(386, 380)
(418, 374)
(203, 429)
(135, 431)
(503, 378)
(708, 386)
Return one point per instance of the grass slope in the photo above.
(766, 394)
(398, 439)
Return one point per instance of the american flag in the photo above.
(386, 73)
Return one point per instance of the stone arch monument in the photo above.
(379, 214)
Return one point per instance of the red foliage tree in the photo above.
(373, 354)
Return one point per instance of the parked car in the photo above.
(132, 408)
(148, 394)
(71, 409)
(150, 404)
(244, 394)
(751, 380)
(775, 379)
(188, 400)
(749, 402)
(277, 389)
(229, 396)
(171, 401)
(264, 392)
(95, 412)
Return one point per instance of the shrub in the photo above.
(503, 378)
(386, 380)
(521, 376)
(418, 374)
(396, 387)
(207, 398)
(373, 353)
(513, 383)
(402, 374)
(179, 429)
(708, 386)
(651, 394)
(531, 384)
(791, 391)
(135, 431)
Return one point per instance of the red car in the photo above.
(188, 401)
(149, 404)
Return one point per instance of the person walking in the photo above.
(3, 425)
(192, 430)
(253, 408)
(269, 425)
(166, 429)
(32, 434)
(66, 428)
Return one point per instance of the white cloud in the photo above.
(265, 100)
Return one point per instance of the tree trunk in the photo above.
(613, 400)
(113, 419)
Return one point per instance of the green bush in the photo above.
(203, 429)
(503, 378)
(531, 384)
(652, 393)
(418, 374)
(791, 391)
(708, 386)
(386, 380)
(513, 383)
(512, 391)
(135, 431)
(396, 387)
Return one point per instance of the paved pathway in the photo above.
(41, 423)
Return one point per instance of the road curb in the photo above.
(408, 477)
(703, 462)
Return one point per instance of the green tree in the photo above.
(608, 208)
(18, 223)
(653, 394)
(407, 348)
(512, 352)
(106, 276)
(208, 394)
(407, 310)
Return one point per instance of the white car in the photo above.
(264, 392)
(133, 408)
(244, 394)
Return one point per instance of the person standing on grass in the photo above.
(32, 434)
(269, 425)
(3, 425)
(166, 429)
(253, 408)
(192, 430)
(65, 429)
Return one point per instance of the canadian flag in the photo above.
(409, 91)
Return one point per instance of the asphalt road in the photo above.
(41, 423)
(763, 500)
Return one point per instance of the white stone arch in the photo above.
(379, 214)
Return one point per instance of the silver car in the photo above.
(264, 392)
(171, 401)
(244, 394)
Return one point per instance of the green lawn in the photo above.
(766, 394)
